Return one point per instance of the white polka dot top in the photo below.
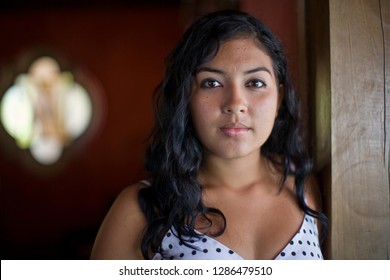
(303, 246)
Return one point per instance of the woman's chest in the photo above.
(258, 227)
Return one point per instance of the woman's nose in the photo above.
(235, 101)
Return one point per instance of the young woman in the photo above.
(229, 173)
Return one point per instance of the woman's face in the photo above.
(235, 100)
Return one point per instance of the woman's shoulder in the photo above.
(312, 193)
(128, 197)
(121, 232)
(311, 189)
(127, 200)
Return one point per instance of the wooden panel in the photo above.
(319, 98)
(319, 80)
(385, 9)
(360, 129)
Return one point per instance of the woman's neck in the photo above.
(234, 173)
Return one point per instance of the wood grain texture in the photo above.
(385, 16)
(360, 129)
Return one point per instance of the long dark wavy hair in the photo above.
(175, 153)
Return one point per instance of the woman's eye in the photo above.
(256, 84)
(210, 84)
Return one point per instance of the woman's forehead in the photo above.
(239, 53)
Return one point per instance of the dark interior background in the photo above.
(117, 49)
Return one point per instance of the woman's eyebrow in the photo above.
(208, 69)
(217, 71)
(258, 69)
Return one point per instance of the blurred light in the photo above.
(45, 110)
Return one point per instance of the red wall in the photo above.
(282, 17)
(54, 212)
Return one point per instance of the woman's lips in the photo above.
(234, 130)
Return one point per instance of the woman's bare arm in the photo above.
(121, 232)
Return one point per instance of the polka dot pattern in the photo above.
(303, 246)
(206, 248)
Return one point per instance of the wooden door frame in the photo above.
(348, 91)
